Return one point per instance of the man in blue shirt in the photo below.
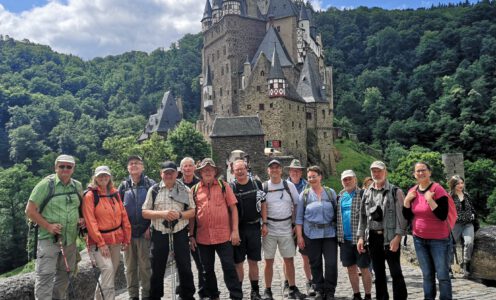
(348, 215)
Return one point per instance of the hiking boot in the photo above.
(310, 289)
(285, 288)
(318, 296)
(296, 294)
(267, 295)
(255, 295)
(357, 297)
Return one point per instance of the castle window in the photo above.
(292, 124)
(227, 68)
(309, 116)
(271, 105)
(330, 110)
(296, 143)
(290, 107)
(262, 73)
(248, 106)
(325, 134)
(218, 54)
(261, 106)
(213, 57)
(299, 125)
(258, 88)
(235, 92)
(278, 28)
(224, 50)
(298, 107)
(220, 92)
(323, 113)
(222, 71)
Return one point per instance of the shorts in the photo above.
(250, 245)
(349, 256)
(285, 244)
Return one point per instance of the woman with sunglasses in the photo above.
(108, 228)
(426, 204)
(316, 230)
(464, 223)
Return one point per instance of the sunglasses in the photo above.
(63, 167)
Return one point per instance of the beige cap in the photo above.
(102, 170)
(347, 173)
(65, 158)
(378, 164)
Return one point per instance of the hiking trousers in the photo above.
(52, 279)
(138, 267)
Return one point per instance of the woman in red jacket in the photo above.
(108, 226)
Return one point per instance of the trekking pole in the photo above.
(171, 255)
(93, 264)
(58, 240)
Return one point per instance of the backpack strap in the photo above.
(155, 190)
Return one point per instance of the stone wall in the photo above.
(251, 145)
(21, 287)
(483, 265)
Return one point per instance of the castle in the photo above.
(264, 58)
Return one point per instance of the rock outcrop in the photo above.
(483, 265)
(21, 287)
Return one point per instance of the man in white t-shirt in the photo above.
(277, 228)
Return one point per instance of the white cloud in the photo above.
(90, 28)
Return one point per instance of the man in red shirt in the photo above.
(216, 229)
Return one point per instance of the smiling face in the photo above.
(135, 167)
(349, 183)
(208, 174)
(102, 180)
(275, 172)
(460, 185)
(64, 171)
(240, 171)
(295, 174)
(422, 173)
(168, 177)
(314, 178)
(188, 168)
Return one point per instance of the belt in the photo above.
(320, 225)
(380, 232)
(110, 230)
(279, 220)
(253, 222)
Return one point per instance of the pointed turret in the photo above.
(216, 10)
(207, 16)
(303, 13)
(276, 80)
(207, 90)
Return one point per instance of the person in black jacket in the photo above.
(137, 261)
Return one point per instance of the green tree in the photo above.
(480, 182)
(185, 140)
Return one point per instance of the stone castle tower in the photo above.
(264, 58)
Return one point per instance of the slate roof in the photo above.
(166, 118)
(303, 13)
(207, 12)
(275, 68)
(271, 40)
(310, 84)
(282, 8)
(237, 126)
(217, 4)
(208, 77)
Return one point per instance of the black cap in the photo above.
(134, 157)
(274, 161)
(168, 165)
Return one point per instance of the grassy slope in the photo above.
(350, 157)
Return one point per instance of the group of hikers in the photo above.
(193, 213)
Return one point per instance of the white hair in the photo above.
(185, 160)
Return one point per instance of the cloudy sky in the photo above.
(91, 28)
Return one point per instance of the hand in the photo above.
(360, 247)
(235, 238)
(192, 243)
(81, 223)
(429, 196)
(54, 229)
(104, 251)
(265, 230)
(409, 198)
(124, 247)
(148, 235)
(301, 242)
(171, 215)
(394, 245)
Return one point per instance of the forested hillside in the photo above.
(423, 78)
